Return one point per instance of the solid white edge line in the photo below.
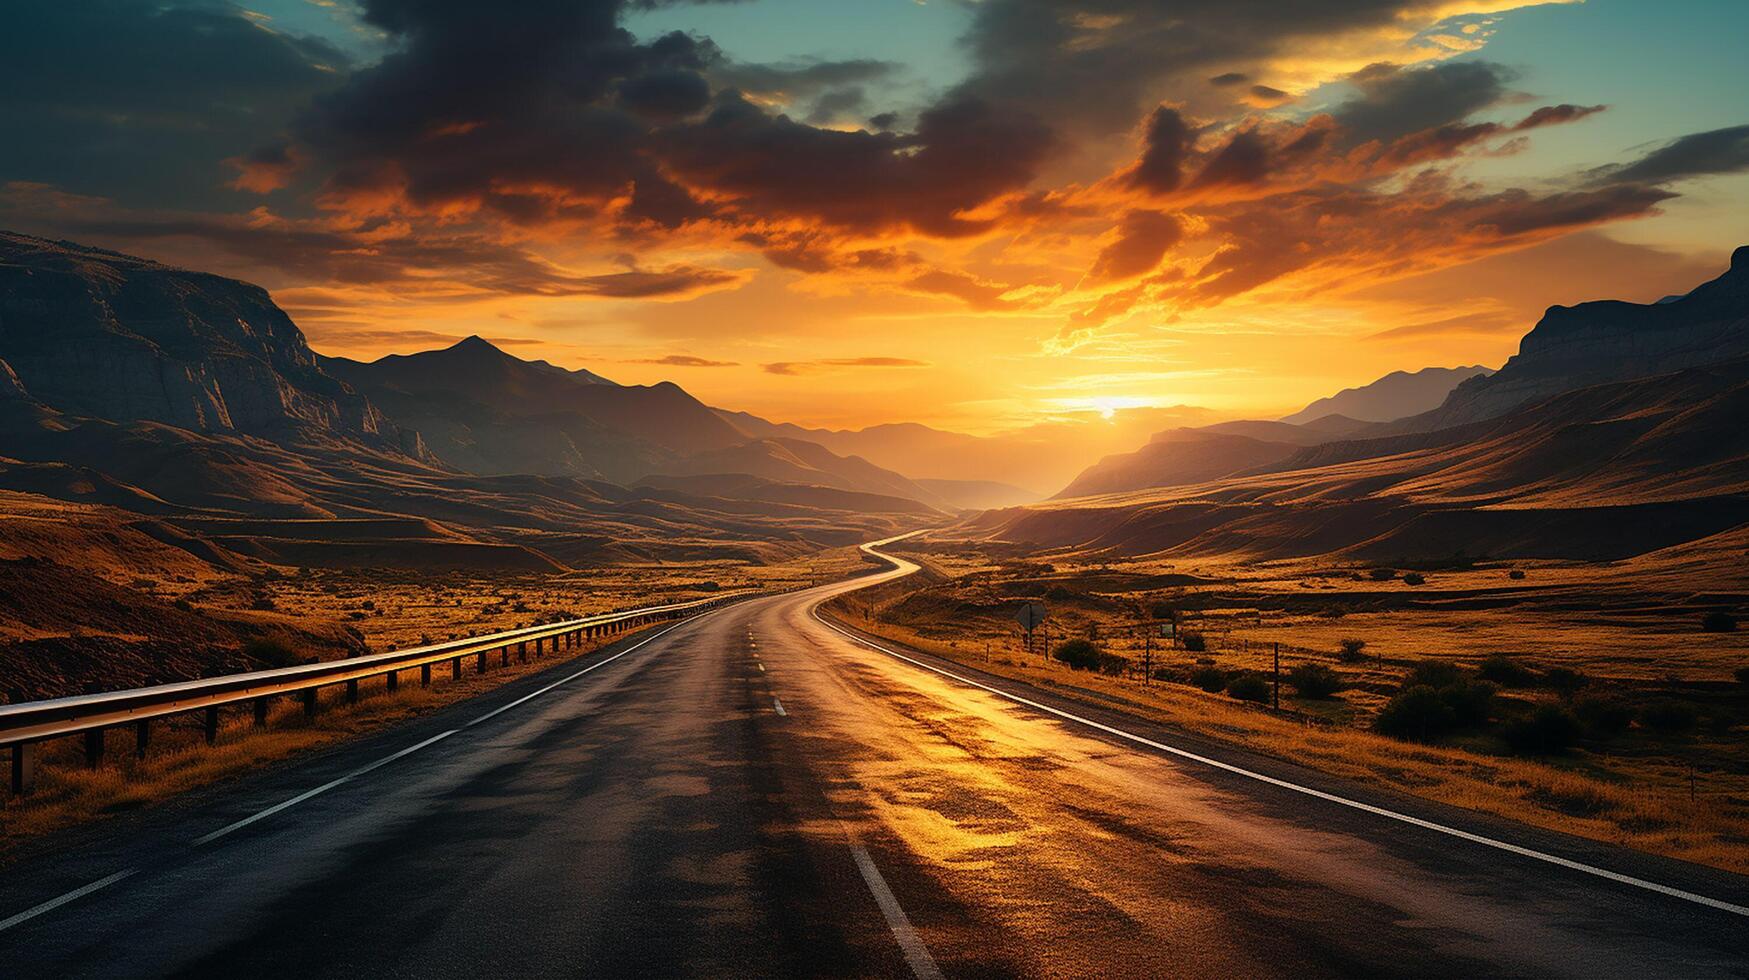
(74, 895)
(1510, 848)
(84, 890)
(916, 953)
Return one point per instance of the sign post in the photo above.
(1030, 616)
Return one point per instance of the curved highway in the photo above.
(756, 792)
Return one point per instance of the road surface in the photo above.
(752, 793)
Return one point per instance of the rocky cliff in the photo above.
(1594, 343)
(92, 333)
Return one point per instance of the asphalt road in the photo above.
(751, 793)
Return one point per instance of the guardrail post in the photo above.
(455, 669)
(424, 675)
(94, 748)
(504, 656)
(310, 701)
(142, 736)
(23, 768)
(212, 724)
(352, 692)
(260, 712)
(392, 681)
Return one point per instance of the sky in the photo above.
(977, 214)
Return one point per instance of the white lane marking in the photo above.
(1569, 864)
(916, 953)
(74, 895)
(82, 891)
(775, 703)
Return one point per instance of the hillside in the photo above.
(1177, 458)
(1608, 340)
(1394, 396)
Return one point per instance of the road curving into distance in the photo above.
(759, 791)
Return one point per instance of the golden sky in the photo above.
(977, 216)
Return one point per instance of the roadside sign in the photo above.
(1168, 630)
(1030, 616)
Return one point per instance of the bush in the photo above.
(1416, 713)
(1164, 610)
(1434, 673)
(1549, 729)
(1505, 671)
(1604, 717)
(1210, 679)
(1352, 650)
(1565, 681)
(1249, 687)
(1078, 654)
(1113, 664)
(1718, 622)
(262, 603)
(1414, 578)
(1668, 717)
(1314, 681)
(1382, 574)
(184, 605)
(1471, 702)
(1165, 674)
(1516, 575)
(271, 653)
(1194, 642)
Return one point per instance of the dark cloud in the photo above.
(831, 363)
(1242, 162)
(1143, 239)
(1164, 146)
(977, 293)
(670, 94)
(1229, 79)
(1393, 101)
(801, 79)
(1554, 115)
(1717, 151)
(140, 102)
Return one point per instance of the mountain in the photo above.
(977, 494)
(799, 461)
(484, 411)
(1608, 340)
(88, 333)
(1394, 396)
(1176, 458)
(1604, 472)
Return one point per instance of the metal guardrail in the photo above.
(22, 726)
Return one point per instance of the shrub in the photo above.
(1352, 650)
(1078, 654)
(1470, 701)
(1113, 664)
(184, 605)
(1668, 717)
(263, 603)
(1210, 679)
(1549, 729)
(1565, 681)
(1718, 622)
(1249, 687)
(1163, 610)
(1433, 673)
(1382, 574)
(1165, 674)
(1194, 642)
(1516, 575)
(1416, 713)
(1314, 681)
(271, 653)
(1505, 671)
(1604, 717)
(1414, 578)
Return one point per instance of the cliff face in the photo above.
(1594, 343)
(98, 334)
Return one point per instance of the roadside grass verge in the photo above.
(1574, 795)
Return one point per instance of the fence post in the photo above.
(23, 768)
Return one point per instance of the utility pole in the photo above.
(1147, 658)
(1278, 676)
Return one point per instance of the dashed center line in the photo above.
(779, 706)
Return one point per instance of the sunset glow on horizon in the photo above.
(979, 216)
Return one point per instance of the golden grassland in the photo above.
(401, 612)
(1681, 795)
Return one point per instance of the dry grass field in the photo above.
(1610, 712)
